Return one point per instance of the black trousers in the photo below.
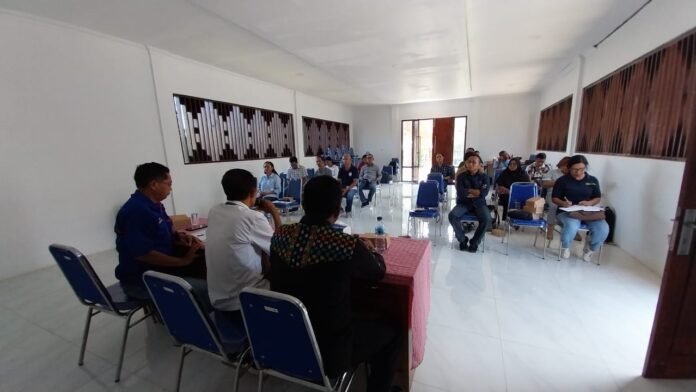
(376, 344)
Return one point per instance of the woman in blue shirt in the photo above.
(578, 188)
(269, 184)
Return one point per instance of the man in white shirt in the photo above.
(238, 241)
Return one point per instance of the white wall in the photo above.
(493, 123)
(197, 187)
(78, 112)
(644, 192)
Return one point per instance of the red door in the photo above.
(672, 348)
(443, 138)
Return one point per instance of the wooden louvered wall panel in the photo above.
(553, 126)
(645, 109)
(322, 134)
(212, 131)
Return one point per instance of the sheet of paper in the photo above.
(582, 208)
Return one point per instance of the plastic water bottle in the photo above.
(380, 240)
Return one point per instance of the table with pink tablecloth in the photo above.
(408, 264)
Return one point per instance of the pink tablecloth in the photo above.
(408, 263)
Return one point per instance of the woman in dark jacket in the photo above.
(509, 176)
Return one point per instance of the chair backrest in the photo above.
(520, 192)
(294, 189)
(428, 194)
(84, 281)
(181, 311)
(310, 172)
(440, 179)
(281, 335)
(283, 185)
(388, 170)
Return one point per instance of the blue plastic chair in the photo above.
(441, 185)
(520, 192)
(282, 341)
(91, 292)
(182, 313)
(294, 190)
(427, 204)
(310, 173)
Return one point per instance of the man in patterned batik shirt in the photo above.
(318, 264)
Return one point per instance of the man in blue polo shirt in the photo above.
(144, 236)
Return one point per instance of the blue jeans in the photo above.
(349, 198)
(598, 228)
(367, 185)
(482, 214)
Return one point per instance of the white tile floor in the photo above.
(497, 323)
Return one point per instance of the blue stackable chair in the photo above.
(283, 343)
(188, 324)
(520, 192)
(294, 190)
(310, 172)
(283, 184)
(427, 204)
(441, 185)
(91, 292)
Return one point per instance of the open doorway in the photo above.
(422, 139)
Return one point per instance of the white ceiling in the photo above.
(361, 51)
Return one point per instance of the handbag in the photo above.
(588, 216)
(520, 214)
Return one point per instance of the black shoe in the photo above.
(464, 245)
(473, 247)
(364, 204)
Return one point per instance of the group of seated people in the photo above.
(354, 180)
(308, 260)
(567, 185)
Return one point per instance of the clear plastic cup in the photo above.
(194, 219)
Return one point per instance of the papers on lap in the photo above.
(582, 208)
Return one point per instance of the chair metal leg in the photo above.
(85, 333)
(259, 387)
(184, 353)
(123, 345)
(238, 370)
(546, 230)
(507, 250)
(560, 245)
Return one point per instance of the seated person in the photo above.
(502, 162)
(370, 175)
(472, 188)
(578, 188)
(322, 170)
(270, 185)
(145, 239)
(334, 168)
(447, 171)
(538, 169)
(348, 177)
(317, 264)
(297, 171)
(363, 162)
(238, 241)
(547, 182)
(509, 176)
